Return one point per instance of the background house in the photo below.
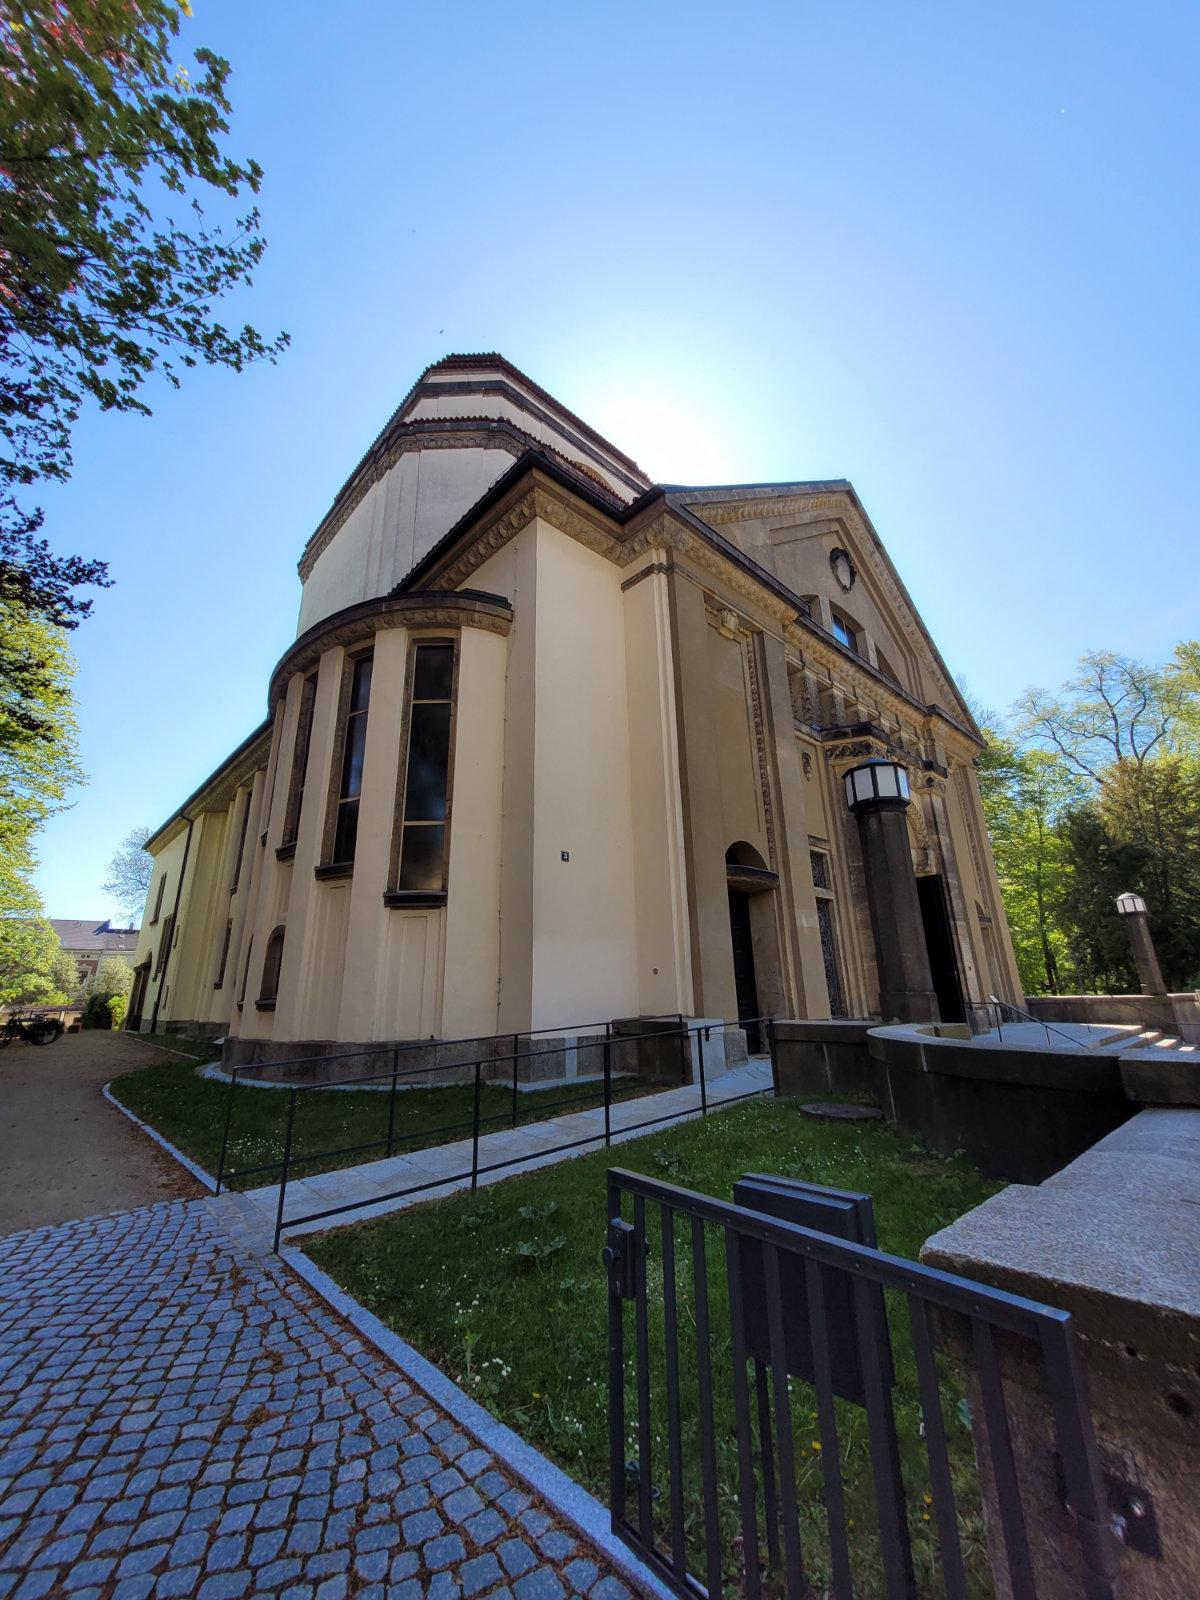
(87, 941)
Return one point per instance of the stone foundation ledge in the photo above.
(644, 1047)
(1113, 1238)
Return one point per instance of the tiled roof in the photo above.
(91, 933)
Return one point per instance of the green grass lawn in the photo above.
(190, 1112)
(505, 1291)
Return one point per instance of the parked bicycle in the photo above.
(31, 1028)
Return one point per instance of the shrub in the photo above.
(96, 1013)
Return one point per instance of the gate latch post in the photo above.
(619, 1256)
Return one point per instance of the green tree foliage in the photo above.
(1185, 670)
(37, 767)
(37, 748)
(1095, 791)
(1025, 794)
(1098, 870)
(129, 872)
(114, 976)
(1114, 710)
(109, 268)
(34, 969)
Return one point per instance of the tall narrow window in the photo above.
(425, 805)
(241, 849)
(272, 961)
(819, 863)
(291, 821)
(162, 889)
(220, 978)
(164, 948)
(246, 970)
(354, 745)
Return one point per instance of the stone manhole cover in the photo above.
(830, 1111)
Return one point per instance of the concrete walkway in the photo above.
(64, 1151)
(181, 1416)
(440, 1168)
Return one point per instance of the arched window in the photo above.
(272, 962)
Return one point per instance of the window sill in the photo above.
(334, 869)
(397, 899)
(286, 851)
(264, 1005)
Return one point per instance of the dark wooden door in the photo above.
(743, 967)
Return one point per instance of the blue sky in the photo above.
(946, 251)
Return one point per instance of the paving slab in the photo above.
(511, 1151)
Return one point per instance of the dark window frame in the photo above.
(162, 889)
(301, 755)
(394, 895)
(219, 980)
(826, 898)
(241, 849)
(164, 947)
(268, 988)
(245, 984)
(331, 866)
(840, 619)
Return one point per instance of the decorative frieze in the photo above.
(425, 609)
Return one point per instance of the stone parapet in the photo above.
(1014, 1111)
(1175, 1013)
(1113, 1238)
(825, 1058)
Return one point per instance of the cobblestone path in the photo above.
(181, 1416)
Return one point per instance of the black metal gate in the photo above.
(797, 1414)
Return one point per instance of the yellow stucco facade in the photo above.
(545, 735)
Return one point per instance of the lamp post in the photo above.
(1133, 909)
(878, 795)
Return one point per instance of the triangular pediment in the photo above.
(817, 540)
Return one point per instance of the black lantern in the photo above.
(876, 782)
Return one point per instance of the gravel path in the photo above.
(64, 1151)
(180, 1415)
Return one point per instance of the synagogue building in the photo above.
(556, 746)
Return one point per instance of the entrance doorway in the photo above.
(744, 979)
(939, 942)
(137, 997)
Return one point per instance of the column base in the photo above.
(909, 1005)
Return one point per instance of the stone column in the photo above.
(905, 984)
(1145, 958)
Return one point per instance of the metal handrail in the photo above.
(286, 1164)
(1170, 1027)
(1029, 1017)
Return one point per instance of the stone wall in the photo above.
(1113, 1238)
(1177, 1013)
